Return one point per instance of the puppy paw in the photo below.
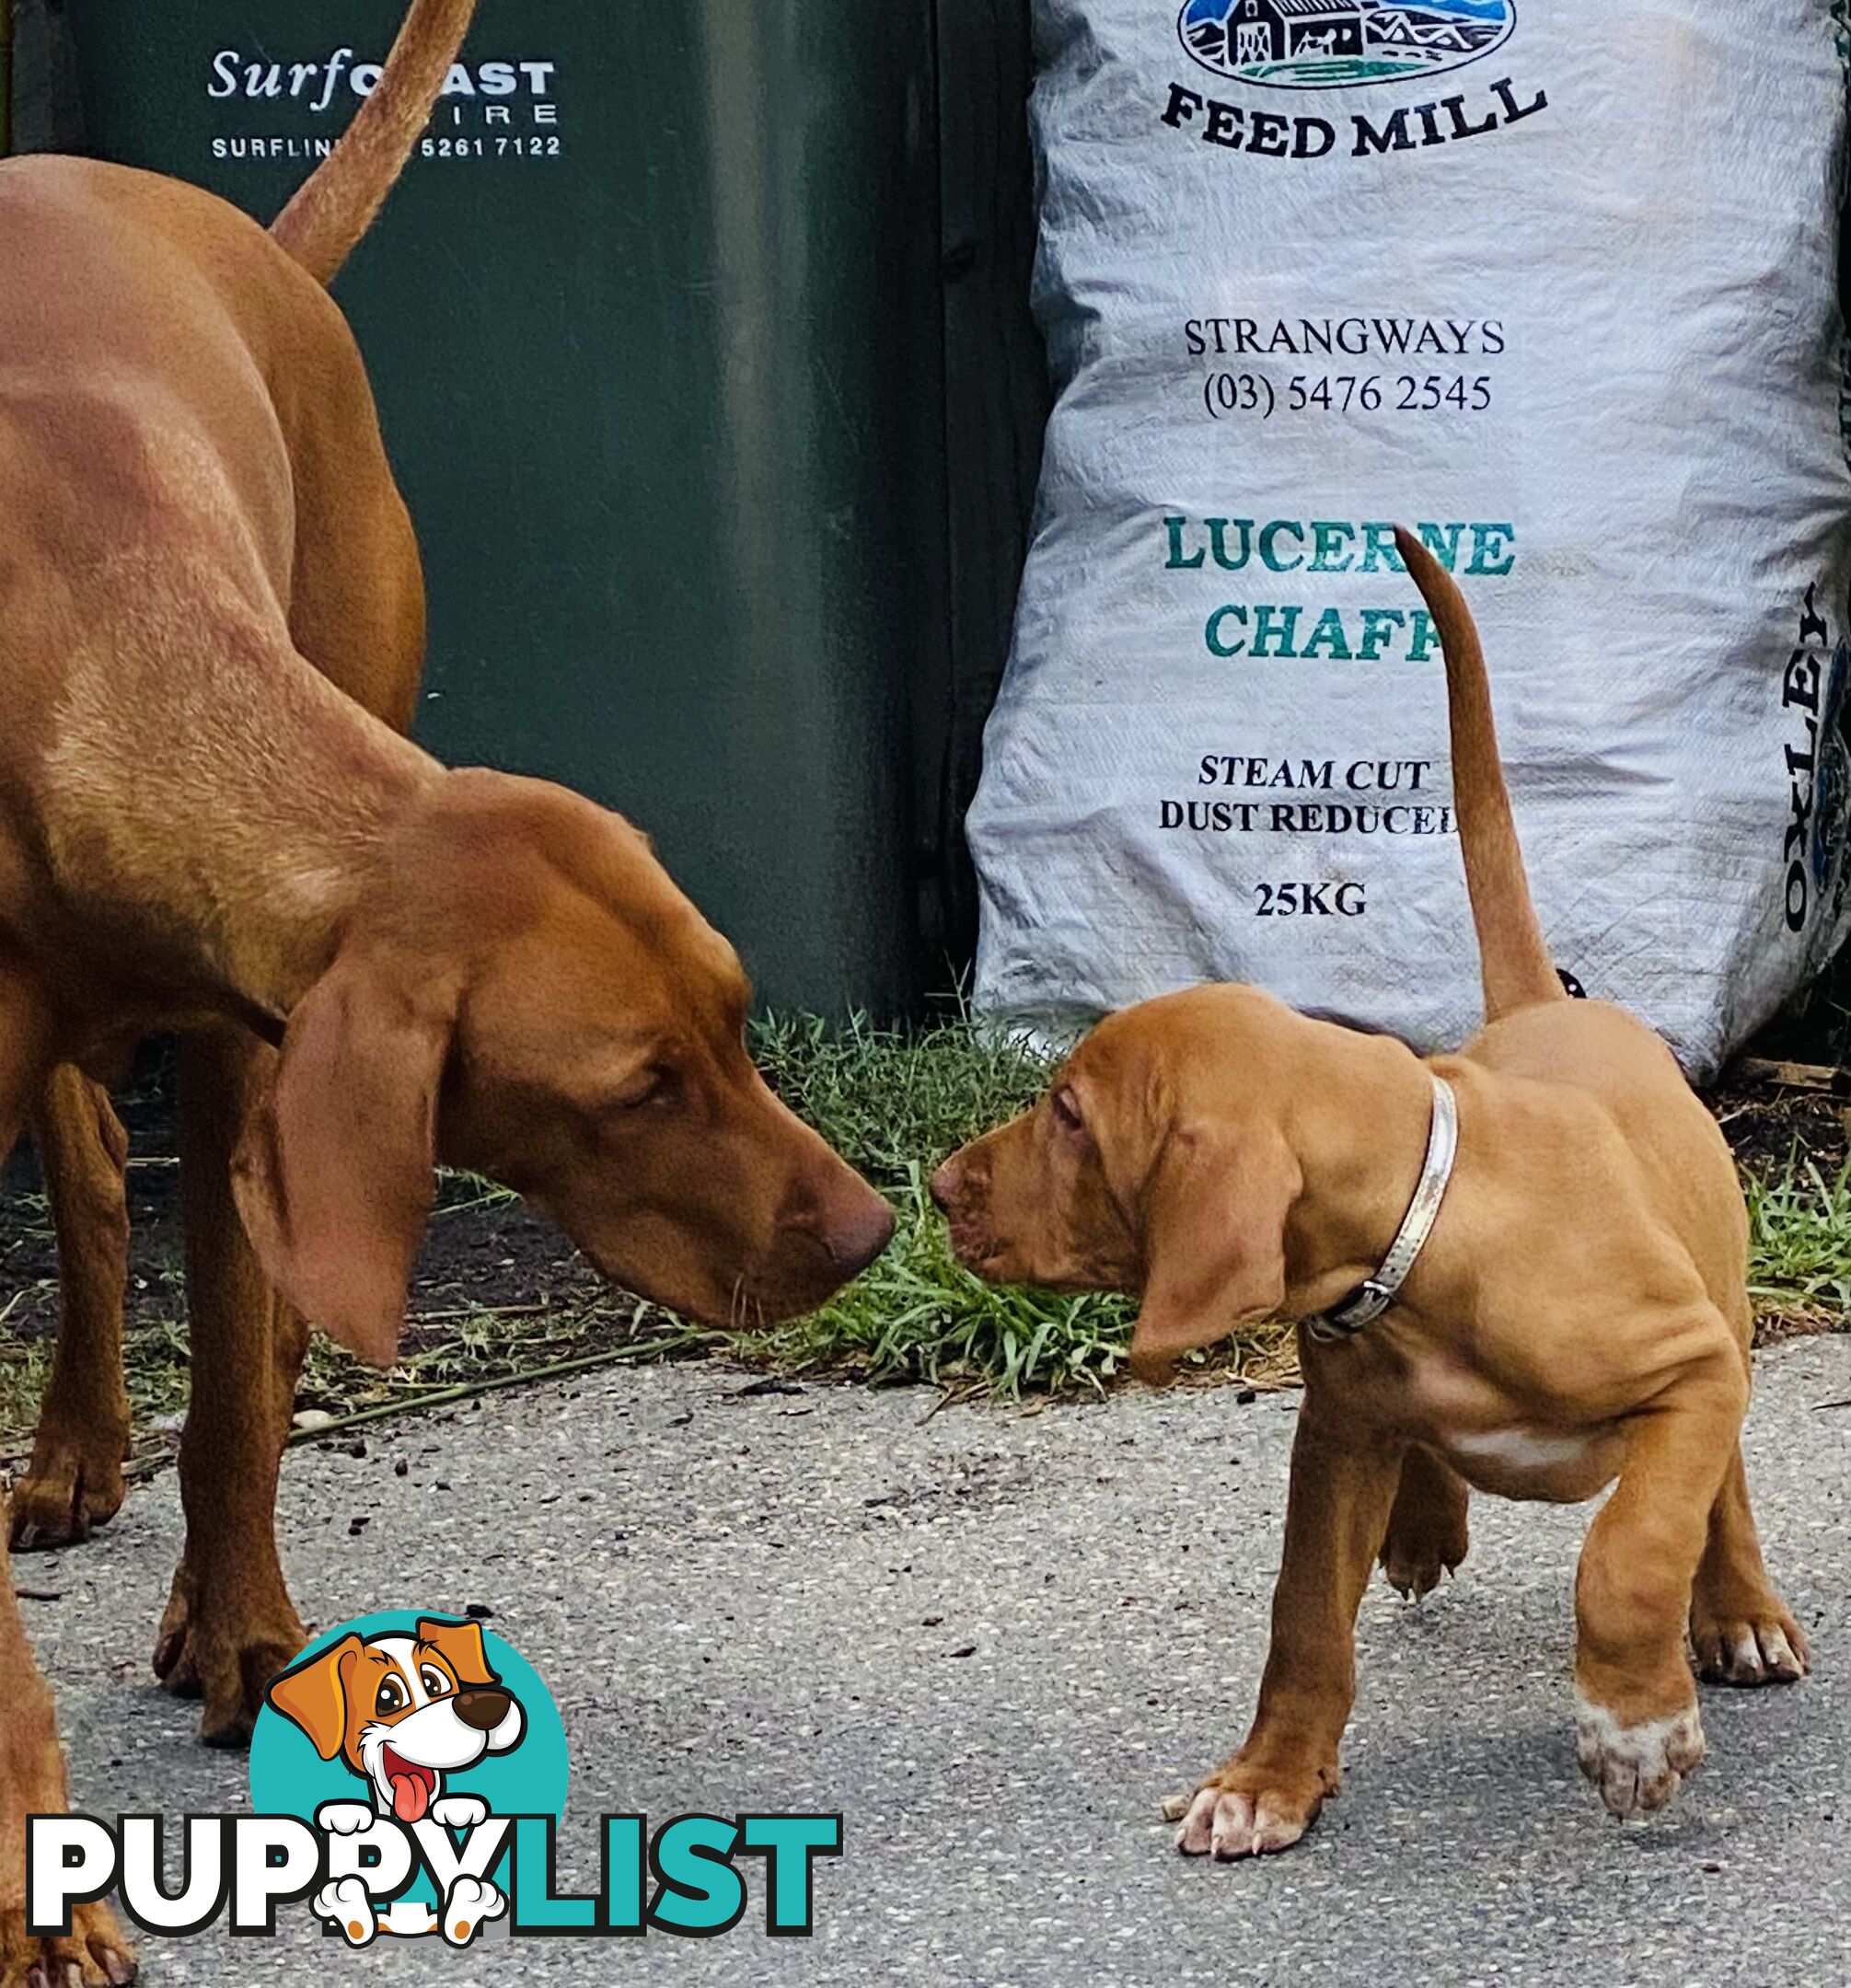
(1253, 1809)
(344, 1819)
(461, 1812)
(1430, 1530)
(471, 1902)
(1414, 1566)
(1638, 1768)
(346, 1905)
(1762, 1647)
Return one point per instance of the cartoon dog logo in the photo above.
(402, 1711)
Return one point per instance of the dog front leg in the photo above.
(74, 1480)
(1741, 1629)
(31, 1760)
(229, 1626)
(1343, 1485)
(1638, 1732)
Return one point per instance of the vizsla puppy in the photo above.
(1520, 1268)
(375, 964)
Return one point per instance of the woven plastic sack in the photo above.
(1554, 281)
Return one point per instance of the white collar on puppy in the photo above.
(1385, 1286)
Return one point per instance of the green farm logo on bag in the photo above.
(1333, 44)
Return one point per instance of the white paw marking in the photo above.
(470, 1901)
(461, 1812)
(1756, 1654)
(345, 1904)
(345, 1819)
(1637, 1768)
(1228, 1827)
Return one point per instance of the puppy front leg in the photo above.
(1638, 1733)
(1343, 1486)
(1741, 1629)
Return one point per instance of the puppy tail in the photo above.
(1512, 955)
(336, 206)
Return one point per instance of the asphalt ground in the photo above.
(995, 1641)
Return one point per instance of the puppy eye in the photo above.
(1066, 1109)
(435, 1682)
(391, 1697)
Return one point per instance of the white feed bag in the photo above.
(1552, 281)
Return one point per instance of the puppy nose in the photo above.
(944, 1186)
(856, 1238)
(483, 1708)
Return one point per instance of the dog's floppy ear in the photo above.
(460, 1645)
(314, 1695)
(1213, 1219)
(333, 1172)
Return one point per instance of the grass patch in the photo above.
(894, 1103)
(1800, 1248)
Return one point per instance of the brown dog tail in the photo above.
(1512, 955)
(337, 203)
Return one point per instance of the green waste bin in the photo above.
(655, 323)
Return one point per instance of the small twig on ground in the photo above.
(494, 1383)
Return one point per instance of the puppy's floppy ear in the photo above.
(1214, 1211)
(314, 1695)
(460, 1645)
(333, 1171)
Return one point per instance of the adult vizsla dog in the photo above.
(375, 964)
(1521, 1269)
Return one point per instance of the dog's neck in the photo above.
(1361, 1149)
(234, 850)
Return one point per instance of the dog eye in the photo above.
(1066, 1110)
(391, 1697)
(657, 1085)
(435, 1682)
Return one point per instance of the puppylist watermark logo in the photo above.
(408, 1775)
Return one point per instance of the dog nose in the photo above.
(858, 1237)
(944, 1186)
(483, 1708)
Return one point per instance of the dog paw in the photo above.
(1767, 1647)
(1637, 1769)
(461, 1812)
(1252, 1811)
(96, 1955)
(225, 1643)
(469, 1903)
(1414, 1566)
(345, 1904)
(70, 1487)
(344, 1819)
(1424, 1545)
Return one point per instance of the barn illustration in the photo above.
(1285, 30)
(1324, 43)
